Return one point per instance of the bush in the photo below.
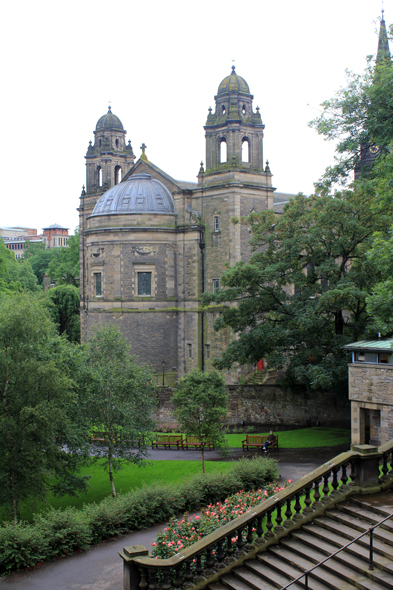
(56, 533)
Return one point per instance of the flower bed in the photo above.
(180, 534)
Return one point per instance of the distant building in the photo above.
(371, 391)
(16, 238)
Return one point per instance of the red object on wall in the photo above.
(260, 365)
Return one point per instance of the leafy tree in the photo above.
(120, 399)
(303, 294)
(38, 404)
(380, 301)
(64, 269)
(201, 400)
(21, 273)
(39, 257)
(64, 307)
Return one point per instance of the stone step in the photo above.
(347, 563)
(272, 568)
(356, 511)
(357, 524)
(257, 581)
(365, 504)
(329, 543)
(235, 582)
(339, 576)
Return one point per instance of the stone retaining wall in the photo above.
(271, 406)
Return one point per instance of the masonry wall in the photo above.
(268, 406)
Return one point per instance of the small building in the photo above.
(16, 239)
(370, 378)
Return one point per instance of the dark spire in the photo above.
(383, 43)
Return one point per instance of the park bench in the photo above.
(258, 441)
(193, 441)
(168, 440)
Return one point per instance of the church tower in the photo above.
(109, 158)
(234, 133)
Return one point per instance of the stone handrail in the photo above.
(217, 553)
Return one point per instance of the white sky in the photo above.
(160, 63)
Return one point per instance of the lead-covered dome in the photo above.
(233, 83)
(109, 121)
(140, 193)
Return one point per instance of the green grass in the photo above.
(128, 478)
(304, 438)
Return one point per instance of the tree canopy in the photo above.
(39, 421)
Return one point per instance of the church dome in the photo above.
(233, 83)
(140, 193)
(109, 121)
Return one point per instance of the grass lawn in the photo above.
(129, 478)
(305, 438)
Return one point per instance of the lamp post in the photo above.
(163, 373)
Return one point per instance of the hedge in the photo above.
(57, 533)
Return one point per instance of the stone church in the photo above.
(151, 245)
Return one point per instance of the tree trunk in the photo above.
(203, 459)
(110, 455)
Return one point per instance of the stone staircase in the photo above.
(312, 543)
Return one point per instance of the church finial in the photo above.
(233, 69)
(109, 109)
(383, 43)
(143, 155)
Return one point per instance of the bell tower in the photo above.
(109, 158)
(234, 133)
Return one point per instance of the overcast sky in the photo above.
(160, 63)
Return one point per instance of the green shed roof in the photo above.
(374, 345)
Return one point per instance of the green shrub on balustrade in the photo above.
(58, 533)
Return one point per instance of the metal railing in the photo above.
(370, 532)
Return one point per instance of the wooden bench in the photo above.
(193, 441)
(258, 441)
(168, 440)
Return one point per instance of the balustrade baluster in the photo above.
(178, 580)
(325, 488)
(220, 555)
(317, 494)
(152, 578)
(239, 542)
(199, 569)
(385, 467)
(307, 499)
(335, 484)
(288, 513)
(166, 584)
(250, 536)
(344, 476)
(259, 538)
(188, 575)
(352, 475)
(209, 561)
(297, 507)
(230, 549)
(279, 517)
(143, 583)
(269, 524)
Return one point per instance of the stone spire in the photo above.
(383, 43)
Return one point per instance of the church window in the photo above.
(189, 351)
(216, 285)
(99, 143)
(223, 150)
(99, 175)
(98, 284)
(117, 143)
(216, 223)
(245, 150)
(118, 172)
(144, 283)
(207, 351)
(244, 109)
(223, 109)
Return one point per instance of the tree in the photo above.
(303, 294)
(201, 401)
(380, 301)
(39, 257)
(64, 269)
(38, 403)
(63, 305)
(120, 399)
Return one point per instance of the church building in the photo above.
(150, 245)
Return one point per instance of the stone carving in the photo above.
(143, 250)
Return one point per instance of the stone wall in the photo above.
(271, 406)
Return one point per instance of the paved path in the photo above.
(101, 568)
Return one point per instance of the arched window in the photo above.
(245, 150)
(117, 173)
(99, 176)
(223, 150)
(117, 143)
(244, 110)
(99, 143)
(223, 109)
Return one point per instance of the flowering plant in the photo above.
(179, 534)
